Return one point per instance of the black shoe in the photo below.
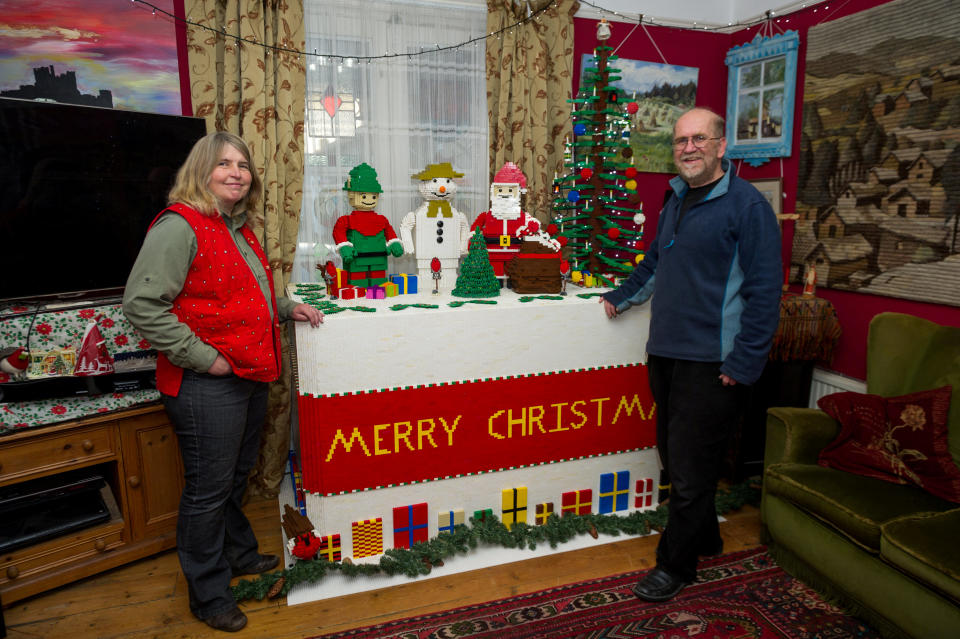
(230, 621)
(658, 585)
(262, 564)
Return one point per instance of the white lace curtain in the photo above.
(397, 114)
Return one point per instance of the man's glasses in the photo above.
(699, 141)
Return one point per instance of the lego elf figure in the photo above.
(505, 224)
(364, 237)
(442, 231)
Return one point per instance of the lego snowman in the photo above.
(436, 229)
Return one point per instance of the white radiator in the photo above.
(826, 382)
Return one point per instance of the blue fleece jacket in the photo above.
(715, 279)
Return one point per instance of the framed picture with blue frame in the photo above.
(761, 88)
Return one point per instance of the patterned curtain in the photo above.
(258, 94)
(529, 79)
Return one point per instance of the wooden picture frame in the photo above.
(772, 190)
(761, 90)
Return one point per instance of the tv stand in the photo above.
(136, 452)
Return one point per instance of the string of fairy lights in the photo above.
(769, 19)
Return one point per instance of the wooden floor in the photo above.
(149, 598)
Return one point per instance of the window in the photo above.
(379, 91)
(760, 98)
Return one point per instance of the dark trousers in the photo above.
(695, 415)
(218, 421)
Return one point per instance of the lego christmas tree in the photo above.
(596, 204)
(476, 278)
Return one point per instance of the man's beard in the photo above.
(505, 208)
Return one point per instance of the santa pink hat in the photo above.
(511, 174)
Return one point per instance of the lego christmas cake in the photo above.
(536, 268)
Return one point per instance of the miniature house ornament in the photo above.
(364, 238)
(436, 230)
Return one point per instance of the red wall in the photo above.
(706, 51)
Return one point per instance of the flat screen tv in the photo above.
(78, 188)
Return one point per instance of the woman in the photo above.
(202, 294)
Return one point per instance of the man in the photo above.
(714, 269)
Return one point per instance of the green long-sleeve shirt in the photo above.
(158, 276)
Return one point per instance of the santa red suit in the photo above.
(504, 237)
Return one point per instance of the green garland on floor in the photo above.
(420, 559)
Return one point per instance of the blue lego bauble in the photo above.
(579, 129)
(573, 196)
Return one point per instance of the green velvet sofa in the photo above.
(888, 553)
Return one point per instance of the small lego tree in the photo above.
(476, 278)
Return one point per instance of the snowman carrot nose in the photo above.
(443, 189)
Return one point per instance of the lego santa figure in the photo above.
(364, 237)
(505, 224)
(442, 232)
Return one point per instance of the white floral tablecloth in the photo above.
(53, 329)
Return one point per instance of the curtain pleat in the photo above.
(529, 80)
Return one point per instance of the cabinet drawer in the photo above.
(59, 554)
(57, 452)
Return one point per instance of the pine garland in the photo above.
(419, 559)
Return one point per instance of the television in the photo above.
(79, 186)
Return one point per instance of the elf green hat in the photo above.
(363, 179)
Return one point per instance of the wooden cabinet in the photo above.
(136, 452)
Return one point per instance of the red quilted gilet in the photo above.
(223, 304)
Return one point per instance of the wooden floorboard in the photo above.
(148, 598)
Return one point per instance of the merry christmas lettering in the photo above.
(379, 438)
(530, 417)
(413, 436)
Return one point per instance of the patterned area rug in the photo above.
(740, 595)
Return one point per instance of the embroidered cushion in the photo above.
(902, 439)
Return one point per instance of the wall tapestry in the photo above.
(663, 92)
(879, 167)
(92, 52)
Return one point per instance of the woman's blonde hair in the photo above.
(191, 186)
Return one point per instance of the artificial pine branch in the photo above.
(419, 559)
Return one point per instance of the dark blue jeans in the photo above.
(695, 415)
(218, 422)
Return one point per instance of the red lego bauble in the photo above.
(586, 173)
(632, 107)
(552, 229)
(613, 233)
(631, 172)
(563, 241)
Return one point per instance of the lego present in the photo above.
(409, 525)
(406, 283)
(577, 502)
(330, 547)
(391, 289)
(644, 497)
(514, 502)
(352, 292)
(448, 519)
(614, 491)
(367, 537)
(481, 515)
(588, 281)
(376, 293)
(543, 512)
